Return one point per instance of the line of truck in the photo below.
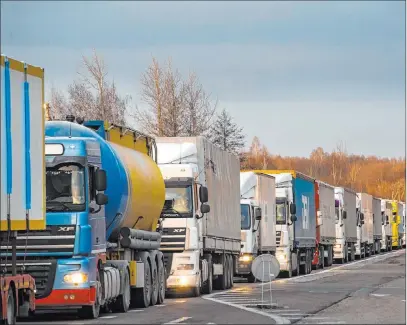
(99, 217)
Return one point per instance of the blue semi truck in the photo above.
(295, 220)
(104, 197)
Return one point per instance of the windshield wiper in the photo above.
(58, 208)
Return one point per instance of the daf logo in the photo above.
(65, 229)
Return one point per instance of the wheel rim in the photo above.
(10, 310)
(126, 293)
(161, 282)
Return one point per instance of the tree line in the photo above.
(171, 105)
(380, 177)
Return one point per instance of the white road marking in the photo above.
(285, 311)
(160, 305)
(276, 318)
(107, 317)
(332, 269)
(178, 320)
(179, 301)
(379, 294)
(136, 310)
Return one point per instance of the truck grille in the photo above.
(278, 238)
(173, 240)
(54, 239)
(43, 272)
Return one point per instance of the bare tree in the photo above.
(174, 107)
(91, 96)
(58, 105)
(226, 134)
(199, 109)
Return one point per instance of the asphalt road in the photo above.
(370, 291)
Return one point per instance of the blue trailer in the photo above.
(295, 221)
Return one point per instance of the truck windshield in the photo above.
(65, 188)
(245, 216)
(182, 197)
(280, 214)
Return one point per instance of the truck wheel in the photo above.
(161, 282)
(142, 296)
(208, 285)
(251, 278)
(231, 270)
(11, 316)
(322, 258)
(122, 302)
(227, 272)
(154, 285)
(92, 312)
(296, 272)
(220, 282)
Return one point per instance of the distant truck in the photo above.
(325, 224)
(361, 230)
(201, 217)
(22, 188)
(396, 225)
(377, 225)
(365, 207)
(346, 224)
(295, 221)
(403, 240)
(258, 219)
(387, 215)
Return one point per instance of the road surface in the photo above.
(371, 291)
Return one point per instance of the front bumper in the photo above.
(68, 298)
(243, 268)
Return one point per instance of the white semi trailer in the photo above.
(258, 219)
(201, 219)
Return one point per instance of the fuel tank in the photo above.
(135, 186)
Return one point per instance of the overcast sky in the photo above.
(298, 74)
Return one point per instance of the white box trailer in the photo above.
(346, 226)
(366, 208)
(22, 187)
(377, 225)
(326, 194)
(209, 240)
(258, 230)
(387, 232)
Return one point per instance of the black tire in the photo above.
(154, 284)
(207, 286)
(122, 303)
(322, 259)
(142, 296)
(220, 282)
(296, 272)
(11, 316)
(309, 261)
(227, 272)
(231, 271)
(251, 278)
(161, 282)
(92, 312)
(303, 267)
(196, 292)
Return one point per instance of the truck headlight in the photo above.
(282, 257)
(76, 278)
(245, 258)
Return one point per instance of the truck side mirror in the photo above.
(362, 222)
(293, 209)
(100, 180)
(205, 208)
(293, 218)
(387, 220)
(362, 216)
(203, 194)
(101, 199)
(257, 213)
(344, 214)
